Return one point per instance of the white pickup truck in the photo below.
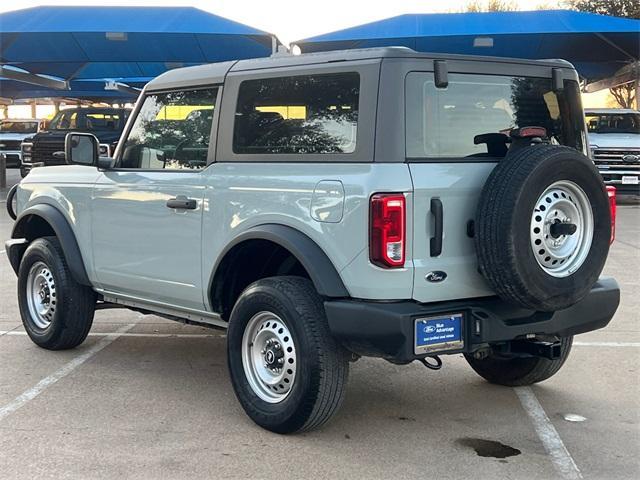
(614, 140)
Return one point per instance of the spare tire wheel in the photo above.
(543, 227)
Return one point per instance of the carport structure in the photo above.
(76, 51)
(605, 50)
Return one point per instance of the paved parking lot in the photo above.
(144, 398)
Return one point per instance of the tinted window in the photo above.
(302, 114)
(455, 121)
(171, 131)
(613, 122)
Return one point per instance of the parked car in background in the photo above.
(614, 140)
(47, 147)
(12, 132)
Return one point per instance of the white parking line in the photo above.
(1, 252)
(560, 456)
(12, 333)
(607, 344)
(65, 370)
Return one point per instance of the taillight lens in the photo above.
(611, 193)
(387, 230)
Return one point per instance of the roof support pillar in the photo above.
(20, 75)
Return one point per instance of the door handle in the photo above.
(182, 203)
(436, 240)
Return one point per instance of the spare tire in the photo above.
(543, 227)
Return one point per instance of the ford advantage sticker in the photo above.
(438, 333)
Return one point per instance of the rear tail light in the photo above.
(387, 230)
(611, 193)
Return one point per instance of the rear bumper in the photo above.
(387, 329)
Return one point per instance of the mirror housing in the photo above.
(105, 163)
(81, 149)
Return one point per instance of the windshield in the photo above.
(10, 126)
(65, 120)
(87, 120)
(613, 122)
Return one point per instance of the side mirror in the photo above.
(81, 149)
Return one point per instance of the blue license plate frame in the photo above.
(438, 333)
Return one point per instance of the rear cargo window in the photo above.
(306, 114)
(472, 117)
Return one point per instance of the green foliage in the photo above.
(617, 8)
(492, 6)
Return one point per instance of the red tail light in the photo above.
(387, 230)
(611, 193)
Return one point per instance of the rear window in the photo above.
(307, 114)
(472, 117)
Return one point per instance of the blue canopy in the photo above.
(73, 43)
(597, 45)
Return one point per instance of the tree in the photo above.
(617, 8)
(492, 6)
(624, 94)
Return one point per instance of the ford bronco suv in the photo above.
(47, 147)
(328, 206)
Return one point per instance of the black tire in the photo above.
(322, 364)
(519, 371)
(74, 304)
(503, 227)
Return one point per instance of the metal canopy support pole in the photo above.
(34, 110)
(28, 77)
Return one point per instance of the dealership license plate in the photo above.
(629, 180)
(439, 333)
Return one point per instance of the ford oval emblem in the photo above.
(436, 276)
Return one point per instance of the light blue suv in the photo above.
(327, 206)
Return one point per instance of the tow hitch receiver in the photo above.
(550, 350)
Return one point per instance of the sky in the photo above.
(295, 19)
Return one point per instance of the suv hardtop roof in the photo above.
(215, 73)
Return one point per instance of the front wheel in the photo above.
(519, 371)
(288, 372)
(56, 311)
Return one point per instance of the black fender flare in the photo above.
(63, 231)
(323, 274)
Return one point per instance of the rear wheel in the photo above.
(519, 371)
(288, 372)
(56, 311)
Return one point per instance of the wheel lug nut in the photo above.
(277, 346)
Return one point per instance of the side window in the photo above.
(171, 131)
(474, 115)
(300, 115)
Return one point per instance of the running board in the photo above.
(187, 315)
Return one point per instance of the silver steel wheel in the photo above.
(41, 295)
(269, 357)
(562, 229)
